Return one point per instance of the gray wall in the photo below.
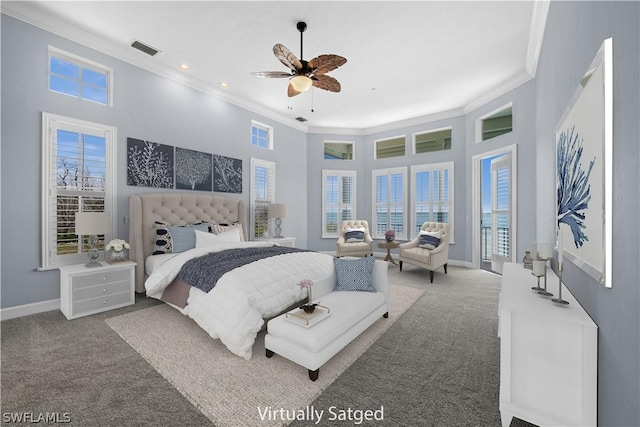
(573, 35)
(146, 106)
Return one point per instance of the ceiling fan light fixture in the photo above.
(301, 83)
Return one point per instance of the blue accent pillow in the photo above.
(354, 274)
(354, 236)
(176, 238)
(429, 240)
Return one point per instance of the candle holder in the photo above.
(544, 291)
(539, 270)
(559, 300)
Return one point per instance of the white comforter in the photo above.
(234, 309)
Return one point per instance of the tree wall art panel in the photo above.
(583, 172)
(227, 174)
(149, 164)
(193, 170)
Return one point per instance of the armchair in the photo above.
(345, 248)
(429, 259)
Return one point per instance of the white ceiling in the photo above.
(405, 59)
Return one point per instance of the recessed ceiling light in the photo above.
(184, 67)
(223, 85)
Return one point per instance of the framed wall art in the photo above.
(193, 170)
(584, 140)
(227, 174)
(149, 164)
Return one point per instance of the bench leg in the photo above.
(386, 315)
(268, 353)
(313, 375)
(400, 265)
(431, 275)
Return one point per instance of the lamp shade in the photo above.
(92, 223)
(277, 210)
(301, 83)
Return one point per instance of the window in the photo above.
(497, 122)
(434, 140)
(263, 193)
(392, 147)
(432, 194)
(336, 150)
(78, 175)
(390, 202)
(261, 135)
(78, 77)
(338, 200)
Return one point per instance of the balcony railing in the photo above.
(487, 243)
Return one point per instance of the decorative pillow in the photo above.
(354, 274)
(221, 228)
(176, 238)
(429, 239)
(352, 235)
(204, 238)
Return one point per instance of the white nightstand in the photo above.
(85, 291)
(283, 241)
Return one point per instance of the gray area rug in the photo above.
(229, 390)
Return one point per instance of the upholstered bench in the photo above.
(351, 313)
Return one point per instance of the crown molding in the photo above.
(503, 88)
(536, 35)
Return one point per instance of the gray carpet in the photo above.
(438, 365)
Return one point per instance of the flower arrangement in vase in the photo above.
(117, 250)
(309, 307)
(390, 235)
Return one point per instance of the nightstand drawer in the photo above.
(101, 290)
(101, 304)
(98, 278)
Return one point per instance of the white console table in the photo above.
(548, 354)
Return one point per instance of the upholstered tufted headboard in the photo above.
(174, 209)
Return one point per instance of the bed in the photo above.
(235, 309)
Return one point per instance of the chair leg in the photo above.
(400, 265)
(445, 269)
(431, 275)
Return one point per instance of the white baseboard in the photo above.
(28, 309)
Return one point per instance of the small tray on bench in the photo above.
(307, 320)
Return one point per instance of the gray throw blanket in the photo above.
(203, 272)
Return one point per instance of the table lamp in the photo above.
(278, 211)
(91, 224)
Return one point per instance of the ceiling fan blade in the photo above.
(325, 63)
(286, 57)
(271, 74)
(291, 91)
(326, 83)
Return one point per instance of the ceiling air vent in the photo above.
(301, 119)
(144, 48)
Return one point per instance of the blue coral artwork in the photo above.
(573, 187)
(584, 140)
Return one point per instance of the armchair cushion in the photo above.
(354, 274)
(429, 239)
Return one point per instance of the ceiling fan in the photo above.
(305, 74)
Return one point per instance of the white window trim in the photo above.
(50, 122)
(268, 165)
(416, 134)
(478, 127)
(353, 149)
(86, 63)
(269, 129)
(391, 171)
(430, 168)
(339, 174)
(375, 146)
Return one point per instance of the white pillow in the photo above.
(208, 239)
